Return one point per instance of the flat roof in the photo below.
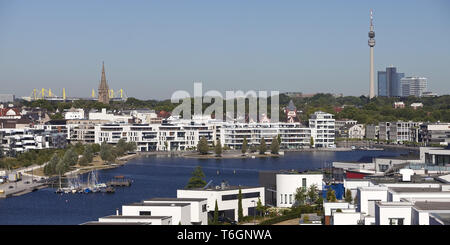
(114, 223)
(158, 204)
(228, 188)
(395, 204)
(136, 217)
(432, 205)
(177, 199)
(414, 189)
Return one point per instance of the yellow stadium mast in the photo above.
(64, 93)
(93, 93)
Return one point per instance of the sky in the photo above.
(153, 48)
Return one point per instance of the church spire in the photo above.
(103, 89)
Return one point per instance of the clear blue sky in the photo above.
(152, 48)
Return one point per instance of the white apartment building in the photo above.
(103, 115)
(413, 86)
(25, 139)
(322, 127)
(293, 135)
(73, 113)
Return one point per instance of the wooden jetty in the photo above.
(120, 181)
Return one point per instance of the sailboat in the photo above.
(59, 190)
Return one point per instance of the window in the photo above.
(244, 196)
(304, 182)
(290, 198)
(285, 198)
(396, 221)
(204, 208)
(281, 198)
(149, 213)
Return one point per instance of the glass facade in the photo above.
(389, 83)
(382, 83)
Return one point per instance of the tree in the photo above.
(312, 193)
(311, 142)
(131, 146)
(50, 168)
(274, 147)
(202, 146)
(106, 152)
(88, 156)
(216, 214)
(300, 195)
(279, 139)
(240, 210)
(95, 148)
(244, 146)
(121, 147)
(262, 146)
(253, 148)
(218, 149)
(70, 157)
(196, 181)
(261, 208)
(331, 195)
(348, 196)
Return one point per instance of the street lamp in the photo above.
(254, 211)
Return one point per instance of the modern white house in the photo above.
(227, 199)
(199, 212)
(287, 184)
(393, 213)
(138, 219)
(180, 212)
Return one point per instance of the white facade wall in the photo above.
(125, 219)
(287, 185)
(346, 218)
(393, 210)
(367, 196)
(74, 114)
(213, 195)
(197, 213)
(322, 129)
(179, 213)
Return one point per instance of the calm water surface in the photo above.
(157, 177)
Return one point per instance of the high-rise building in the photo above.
(413, 86)
(103, 89)
(389, 84)
(382, 83)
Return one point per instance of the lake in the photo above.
(156, 176)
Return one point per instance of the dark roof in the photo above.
(136, 217)
(402, 157)
(177, 199)
(444, 217)
(158, 204)
(432, 205)
(291, 106)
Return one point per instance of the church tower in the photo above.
(103, 89)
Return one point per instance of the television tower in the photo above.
(371, 45)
